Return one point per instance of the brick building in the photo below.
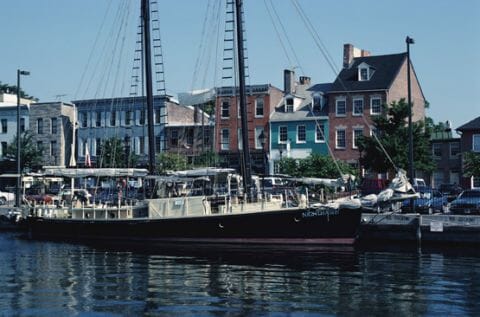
(261, 102)
(470, 142)
(447, 156)
(362, 87)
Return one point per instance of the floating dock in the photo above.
(416, 228)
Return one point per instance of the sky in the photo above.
(85, 49)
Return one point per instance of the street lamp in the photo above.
(262, 138)
(19, 176)
(409, 41)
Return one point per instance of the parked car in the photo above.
(430, 201)
(450, 190)
(467, 203)
(6, 197)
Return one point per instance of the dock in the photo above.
(416, 228)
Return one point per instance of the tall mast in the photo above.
(247, 166)
(148, 82)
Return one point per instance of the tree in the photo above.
(31, 156)
(315, 165)
(472, 164)
(12, 89)
(208, 158)
(112, 154)
(170, 162)
(392, 132)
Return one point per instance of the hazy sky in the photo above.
(84, 49)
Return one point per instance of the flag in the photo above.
(88, 162)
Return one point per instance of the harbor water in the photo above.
(40, 278)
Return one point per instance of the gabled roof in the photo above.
(471, 125)
(386, 69)
(324, 87)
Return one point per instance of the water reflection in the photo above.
(45, 278)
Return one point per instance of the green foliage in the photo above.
(170, 162)
(209, 158)
(392, 132)
(12, 89)
(31, 156)
(112, 153)
(315, 165)
(472, 164)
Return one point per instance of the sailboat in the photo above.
(193, 219)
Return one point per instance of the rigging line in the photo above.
(90, 56)
(211, 43)
(200, 45)
(329, 60)
(297, 60)
(278, 33)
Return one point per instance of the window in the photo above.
(4, 148)
(113, 118)
(340, 139)
(319, 133)
(375, 105)
(340, 107)
(259, 107)
(128, 117)
(476, 143)
(4, 126)
(225, 109)
(437, 150)
(174, 137)
(98, 119)
(98, 147)
(53, 125)
(22, 124)
(475, 182)
(158, 115)
(141, 120)
(301, 134)
(363, 74)
(317, 103)
(225, 139)
(83, 119)
(53, 147)
(357, 132)
(206, 135)
(282, 134)
(454, 149)
(258, 131)
(357, 106)
(40, 126)
(141, 146)
(289, 104)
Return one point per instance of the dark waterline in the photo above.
(41, 278)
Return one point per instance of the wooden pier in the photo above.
(416, 228)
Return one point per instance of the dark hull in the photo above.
(294, 226)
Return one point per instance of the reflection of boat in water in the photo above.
(240, 219)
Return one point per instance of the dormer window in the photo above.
(317, 103)
(289, 104)
(365, 72)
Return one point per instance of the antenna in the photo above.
(59, 97)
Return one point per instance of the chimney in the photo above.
(289, 81)
(304, 80)
(350, 52)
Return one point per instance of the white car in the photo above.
(6, 197)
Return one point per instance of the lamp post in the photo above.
(19, 176)
(409, 41)
(262, 138)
